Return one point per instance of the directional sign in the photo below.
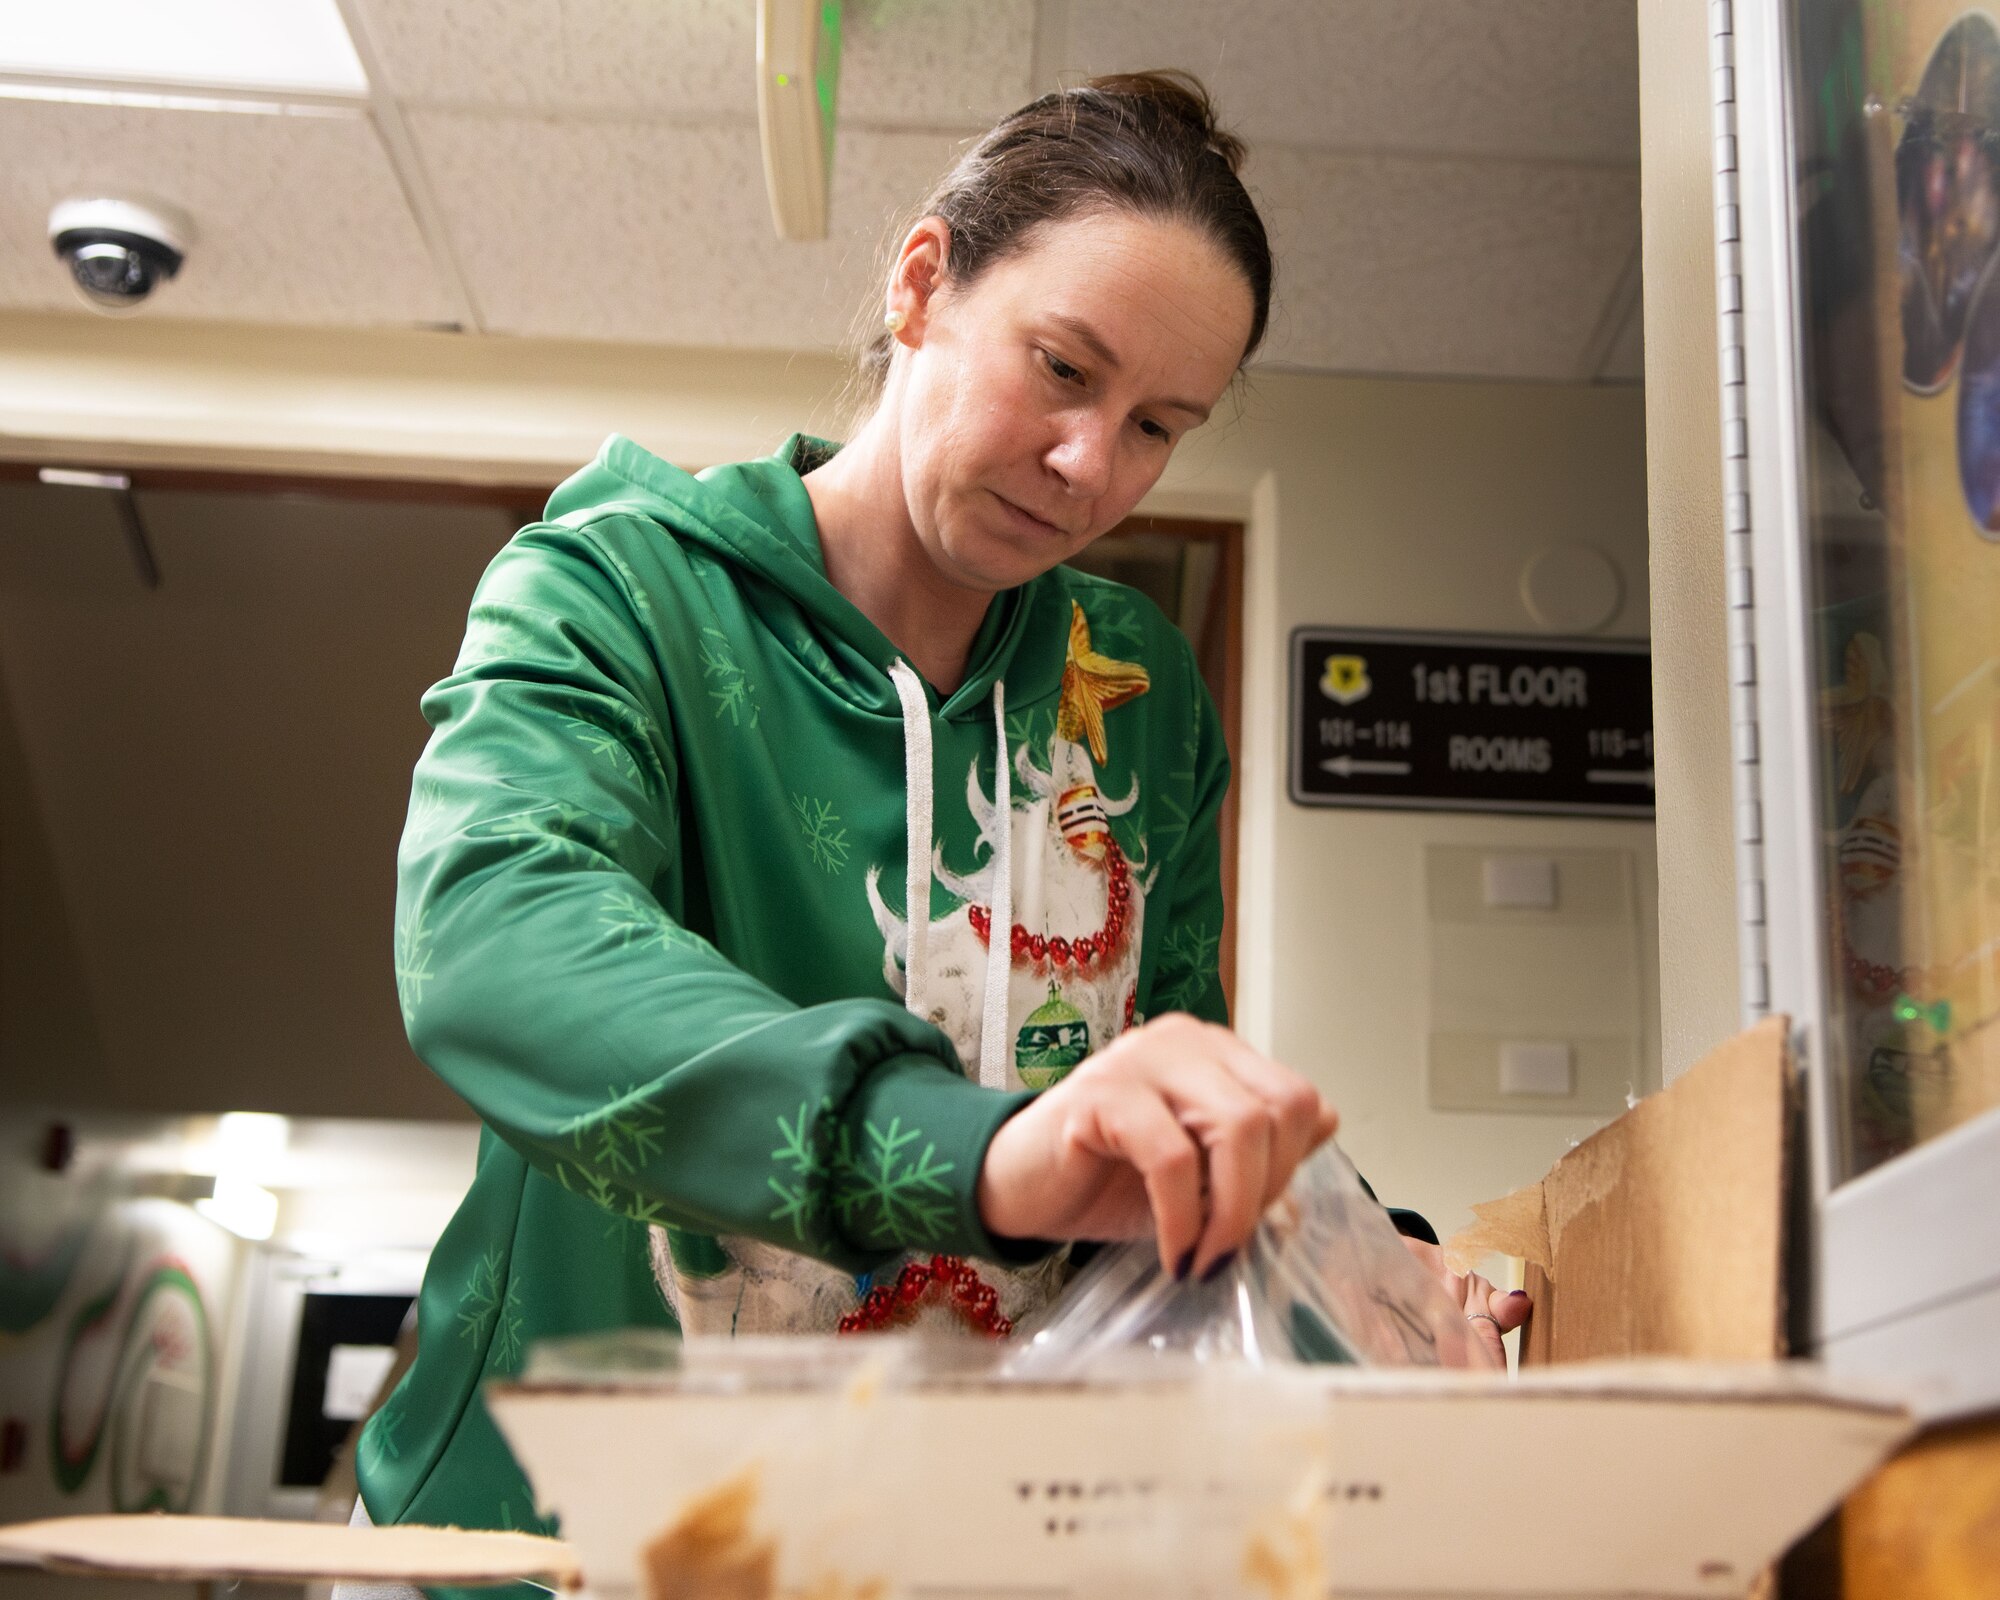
(1466, 722)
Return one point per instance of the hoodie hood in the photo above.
(756, 517)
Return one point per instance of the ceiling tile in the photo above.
(905, 63)
(1555, 79)
(692, 58)
(936, 63)
(1468, 268)
(660, 232)
(299, 219)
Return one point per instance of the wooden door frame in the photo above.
(1222, 669)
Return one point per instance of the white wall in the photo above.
(1369, 503)
(1403, 505)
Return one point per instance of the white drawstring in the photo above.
(916, 827)
(1000, 926)
(917, 800)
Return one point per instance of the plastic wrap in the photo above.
(1326, 1277)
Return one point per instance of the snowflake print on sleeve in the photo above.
(1187, 967)
(497, 633)
(728, 685)
(802, 1190)
(491, 1308)
(619, 1139)
(413, 963)
(633, 586)
(566, 830)
(825, 839)
(379, 1440)
(635, 921)
(429, 817)
(888, 1194)
(604, 745)
(609, 1148)
(593, 1186)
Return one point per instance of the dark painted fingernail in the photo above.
(1181, 1267)
(1517, 1294)
(1218, 1266)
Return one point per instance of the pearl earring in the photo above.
(893, 321)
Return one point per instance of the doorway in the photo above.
(200, 885)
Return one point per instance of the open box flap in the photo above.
(1662, 1233)
(227, 1548)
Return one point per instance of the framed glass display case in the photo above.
(1858, 249)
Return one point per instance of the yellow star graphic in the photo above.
(1092, 685)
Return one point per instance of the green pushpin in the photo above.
(1935, 1016)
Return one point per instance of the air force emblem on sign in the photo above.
(1345, 679)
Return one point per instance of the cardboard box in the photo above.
(1661, 1236)
(1628, 1479)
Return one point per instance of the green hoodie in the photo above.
(652, 925)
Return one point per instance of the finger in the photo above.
(1478, 1300)
(1305, 1117)
(1239, 1164)
(1510, 1307)
(1236, 1130)
(1477, 1293)
(1303, 1120)
(1140, 1128)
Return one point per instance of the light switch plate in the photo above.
(1463, 1073)
(170, 1423)
(1520, 883)
(1537, 1067)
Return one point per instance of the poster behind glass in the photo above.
(1896, 135)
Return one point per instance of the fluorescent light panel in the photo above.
(153, 100)
(244, 1208)
(286, 46)
(74, 478)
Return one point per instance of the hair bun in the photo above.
(1169, 96)
(1145, 143)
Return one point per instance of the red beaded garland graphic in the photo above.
(943, 1280)
(1086, 950)
(1875, 981)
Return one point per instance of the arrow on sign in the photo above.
(1348, 767)
(1603, 776)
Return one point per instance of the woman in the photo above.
(786, 827)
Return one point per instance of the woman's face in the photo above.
(1036, 406)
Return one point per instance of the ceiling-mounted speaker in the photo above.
(798, 71)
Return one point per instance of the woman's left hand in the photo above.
(1491, 1311)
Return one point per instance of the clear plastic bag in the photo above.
(1325, 1278)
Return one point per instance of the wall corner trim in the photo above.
(1737, 510)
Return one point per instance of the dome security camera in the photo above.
(118, 251)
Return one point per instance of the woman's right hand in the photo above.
(1178, 1129)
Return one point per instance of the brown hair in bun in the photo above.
(1144, 142)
